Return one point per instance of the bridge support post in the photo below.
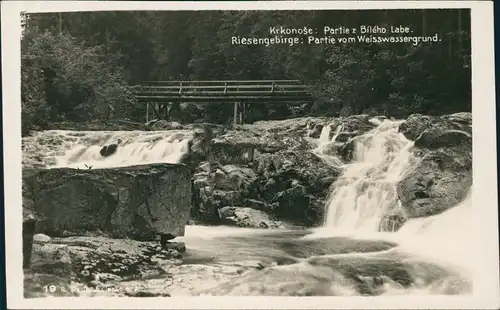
(243, 112)
(242, 106)
(235, 116)
(147, 112)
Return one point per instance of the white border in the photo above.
(486, 286)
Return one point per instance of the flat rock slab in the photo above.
(137, 202)
(93, 266)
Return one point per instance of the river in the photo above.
(348, 255)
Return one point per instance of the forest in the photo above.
(80, 66)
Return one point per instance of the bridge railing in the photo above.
(220, 88)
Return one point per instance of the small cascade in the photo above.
(326, 145)
(366, 191)
(83, 149)
(325, 135)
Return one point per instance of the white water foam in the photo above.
(81, 149)
(366, 191)
(447, 237)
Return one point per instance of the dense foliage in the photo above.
(79, 66)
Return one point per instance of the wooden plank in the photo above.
(222, 96)
(221, 81)
(222, 87)
(223, 99)
(229, 93)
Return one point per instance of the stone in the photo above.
(392, 222)
(137, 202)
(149, 252)
(246, 217)
(442, 175)
(460, 117)
(51, 259)
(231, 177)
(416, 124)
(357, 124)
(178, 246)
(92, 260)
(433, 139)
(41, 238)
(256, 204)
(144, 293)
(439, 181)
(347, 150)
(107, 277)
(108, 150)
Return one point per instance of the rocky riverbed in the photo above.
(105, 231)
(276, 169)
(95, 264)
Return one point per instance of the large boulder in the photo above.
(439, 181)
(216, 186)
(355, 125)
(416, 124)
(267, 166)
(431, 139)
(138, 202)
(442, 175)
(295, 185)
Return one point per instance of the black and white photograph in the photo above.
(191, 150)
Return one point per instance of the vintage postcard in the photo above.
(250, 155)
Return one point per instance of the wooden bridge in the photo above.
(159, 97)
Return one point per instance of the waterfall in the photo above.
(366, 190)
(324, 137)
(81, 149)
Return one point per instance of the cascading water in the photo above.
(366, 191)
(81, 149)
(325, 143)
(447, 237)
(298, 262)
